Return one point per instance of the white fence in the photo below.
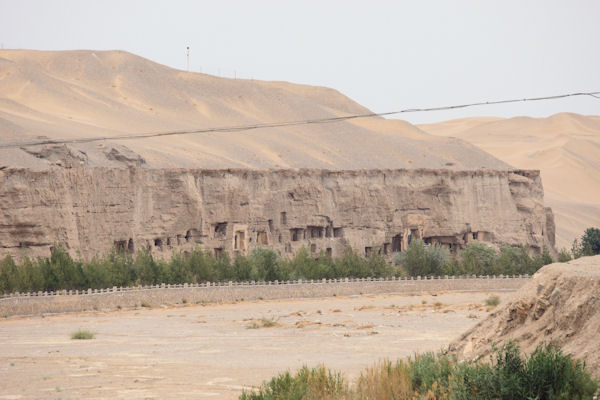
(116, 289)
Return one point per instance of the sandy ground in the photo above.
(209, 351)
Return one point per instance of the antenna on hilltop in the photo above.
(187, 53)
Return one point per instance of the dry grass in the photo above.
(268, 322)
(384, 381)
(368, 326)
(363, 308)
(438, 305)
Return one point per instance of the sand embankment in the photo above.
(560, 305)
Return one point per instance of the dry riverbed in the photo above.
(217, 350)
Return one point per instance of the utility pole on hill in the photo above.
(187, 53)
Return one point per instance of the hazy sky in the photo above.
(386, 55)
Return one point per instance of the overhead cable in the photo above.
(239, 128)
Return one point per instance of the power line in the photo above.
(239, 128)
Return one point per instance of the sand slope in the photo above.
(71, 94)
(559, 305)
(565, 147)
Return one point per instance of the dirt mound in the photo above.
(560, 305)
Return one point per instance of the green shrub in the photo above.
(82, 334)
(492, 301)
(268, 322)
(307, 384)
(564, 255)
(548, 374)
(253, 325)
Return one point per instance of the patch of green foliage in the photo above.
(307, 384)
(82, 334)
(492, 301)
(253, 325)
(476, 258)
(589, 244)
(547, 374)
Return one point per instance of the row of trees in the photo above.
(476, 258)
(61, 271)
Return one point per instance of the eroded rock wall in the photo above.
(91, 210)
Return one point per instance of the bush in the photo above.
(547, 375)
(308, 384)
(82, 335)
(492, 301)
(564, 255)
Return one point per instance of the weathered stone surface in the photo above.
(92, 210)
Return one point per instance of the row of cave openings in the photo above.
(452, 243)
(219, 232)
(295, 235)
(191, 236)
(311, 232)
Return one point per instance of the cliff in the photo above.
(91, 210)
(369, 183)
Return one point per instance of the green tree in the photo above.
(477, 258)
(423, 260)
(267, 264)
(9, 276)
(590, 242)
(350, 265)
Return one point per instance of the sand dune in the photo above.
(76, 94)
(565, 147)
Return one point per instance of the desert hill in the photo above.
(559, 305)
(75, 94)
(564, 147)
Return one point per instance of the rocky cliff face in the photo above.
(91, 210)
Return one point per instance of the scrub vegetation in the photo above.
(547, 374)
